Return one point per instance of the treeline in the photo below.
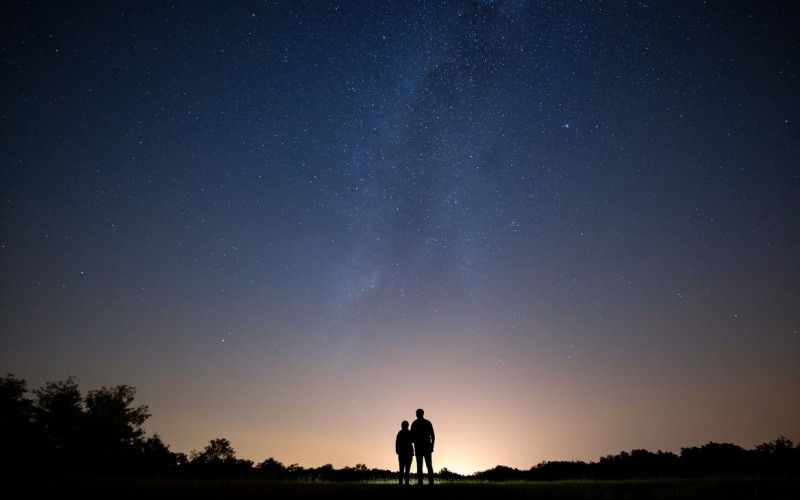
(777, 457)
(60, 431)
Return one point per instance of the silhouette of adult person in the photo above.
(423, 437)
(404, 447)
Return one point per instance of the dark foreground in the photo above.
(707, 489)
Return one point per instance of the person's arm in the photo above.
(433, 438)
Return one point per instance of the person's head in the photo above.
(404, 425)
(420, 413)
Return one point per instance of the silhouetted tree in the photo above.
(218, 459)
(217, 450)
(500, 473)
(296, 472)
(16, 426)
(560, 470)
(322, 473)
(58, 414)
(358, 473)
(113, 427)
(271, 469)
(638, 464)
(716, 459)
(448, 475)
(779, 457)
(155, 458)
(101, 433)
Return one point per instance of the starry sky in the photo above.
(564, 229)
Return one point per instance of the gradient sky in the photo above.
(564, 229)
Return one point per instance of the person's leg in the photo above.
(401, 465)
(429, 463)
(419, 469)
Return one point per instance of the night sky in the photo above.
(564, 229)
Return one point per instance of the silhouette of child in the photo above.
(404, 447)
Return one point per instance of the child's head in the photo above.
(405, 424)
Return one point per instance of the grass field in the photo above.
(146, 489)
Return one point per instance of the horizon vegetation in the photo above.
(60, 431)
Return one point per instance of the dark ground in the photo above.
(119, 489)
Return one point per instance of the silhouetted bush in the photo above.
(638, 464)
(716, 459)
(559, 471)
(501, 473)
(271, 469)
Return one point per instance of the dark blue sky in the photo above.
(290, 224)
